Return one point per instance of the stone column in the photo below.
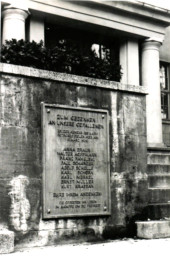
(13, 23)
(129, 61)
(37, 29)
(150, 78)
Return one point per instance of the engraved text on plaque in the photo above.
(75, 162)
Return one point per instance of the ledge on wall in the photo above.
(74, 79)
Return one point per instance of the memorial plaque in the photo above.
(75, 162)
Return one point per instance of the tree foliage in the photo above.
(65, 57)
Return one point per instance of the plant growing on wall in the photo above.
(66, 57)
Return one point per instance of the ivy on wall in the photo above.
(64, 57)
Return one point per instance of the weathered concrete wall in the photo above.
(21, 92)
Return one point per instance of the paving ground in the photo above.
(126, 247)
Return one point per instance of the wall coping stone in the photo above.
(69, 78)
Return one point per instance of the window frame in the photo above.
(166, 91)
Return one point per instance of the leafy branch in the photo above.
(66, 57)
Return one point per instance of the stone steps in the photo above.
(158, 211)
(158, 208)
(158, 158)
(158, 186)
(158, 169)
(159, 181)
(159, 195)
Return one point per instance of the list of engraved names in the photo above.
(76, 167)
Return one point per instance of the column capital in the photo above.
(152, 43)
(154, 39)
(18, 4)
(14, 17)
(11, 10)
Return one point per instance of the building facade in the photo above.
(137, 110)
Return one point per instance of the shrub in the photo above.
(65, 57)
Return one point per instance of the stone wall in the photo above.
(21, 92)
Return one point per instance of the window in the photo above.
(103, 45)
(84, 52)
(165, 91)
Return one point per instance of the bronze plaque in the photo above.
(75, 161)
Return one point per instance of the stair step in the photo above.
(158, 158)
(161, 204)
(159, 181)
(158, 211)
(158, 169)
(159, 195)
(153, 229)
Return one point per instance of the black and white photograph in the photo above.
(84, 127)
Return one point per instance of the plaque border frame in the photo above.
(45, 215)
